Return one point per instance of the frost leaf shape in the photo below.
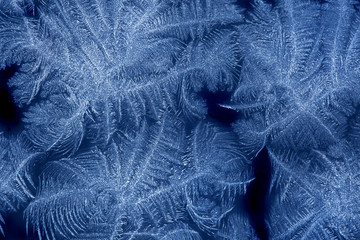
(18, 176)
(141, 186)
(296, 80)
(47, 132)
(98, 52)
(322, 202)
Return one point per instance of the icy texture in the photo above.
(188, 119)
(299, 95)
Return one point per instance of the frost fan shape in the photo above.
(191, 119)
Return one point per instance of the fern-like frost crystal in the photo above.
(185, 119)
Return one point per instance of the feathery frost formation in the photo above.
(185, 119)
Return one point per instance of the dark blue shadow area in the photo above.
(10, 113)
(256, 198)
(221, 114)
(244, 3)
(30, 9)
(272, 2)
(248, 4)
(14, 227)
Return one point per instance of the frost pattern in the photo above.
(119, 139)
(298, 95)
